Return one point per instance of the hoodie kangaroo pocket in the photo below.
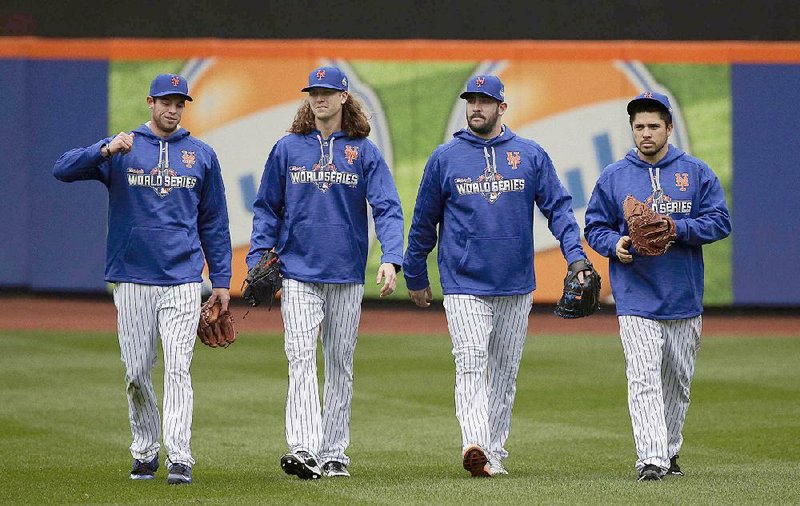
(492, 263)
(326, 251)
(159, 254)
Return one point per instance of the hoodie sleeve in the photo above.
(601, 222)
(212, 224)
(422, 236)
(713, 221)
(386, 208)
(269, 204)
(556, 205)
(82, 164)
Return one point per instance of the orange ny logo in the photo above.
(513, 158)
(479, 81)
(320, 74)
(188, 158)
(682, 181)
(175, 81)
(351, 153)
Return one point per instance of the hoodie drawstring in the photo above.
(163, 154)
(491, 166)
(655, 179)
(323, 159)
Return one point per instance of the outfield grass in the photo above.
(64, 431)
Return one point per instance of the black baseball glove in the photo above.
(579, 299)
(264, 280)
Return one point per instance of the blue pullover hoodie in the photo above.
(311, 207)
(480, 194)
(670, 286)
(166, 208)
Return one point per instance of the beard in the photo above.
(650, 151)
(487, 127)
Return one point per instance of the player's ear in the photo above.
(150, 102)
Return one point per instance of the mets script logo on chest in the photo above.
(324, 174)
(490, 185)
(188, 158)
(351, 153)
(161, 180)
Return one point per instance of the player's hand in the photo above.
(224, 296)
(622, 251)
(121, 143)
(421, 298)
(388, 272)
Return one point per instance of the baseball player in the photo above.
(312, 208)
(479, 189)
(166, 214)
(658, 298)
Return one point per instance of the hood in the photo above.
(673, 154)
(143, 131)
(466, 134)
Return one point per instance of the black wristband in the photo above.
(108, 150)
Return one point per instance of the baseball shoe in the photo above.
(650, 473)
(144, 470)
(674, 468)
(301, 464)
(496, 467)
(476, 462)
(179, 474)
(333, 468)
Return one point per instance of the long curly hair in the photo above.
(355, 122)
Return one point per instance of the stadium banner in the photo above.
(569, 97)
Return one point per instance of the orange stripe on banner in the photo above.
(452, 50)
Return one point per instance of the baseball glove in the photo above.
(264, 280)
(216, 327)
(651, 233)
(579, 299)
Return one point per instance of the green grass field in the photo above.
(64, 430)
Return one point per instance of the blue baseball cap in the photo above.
(327, 77)
(651, 96)
(488, 85)
(169, 84)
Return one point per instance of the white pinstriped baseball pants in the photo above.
(331, 313)
(659, 364)
(143, 313)
(488, 335)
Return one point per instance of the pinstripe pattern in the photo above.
(659, 363)
(143, 313)
(488, 335)
(330, 312)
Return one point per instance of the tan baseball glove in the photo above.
(216, 328)
(651, 233)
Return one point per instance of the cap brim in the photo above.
(184, 95)
(328, 86)
(652, 100)
(468, 93)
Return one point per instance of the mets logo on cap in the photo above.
(176, 81)
(321, 74)
(479, 81)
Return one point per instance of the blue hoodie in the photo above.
(670, 286)
(158, 220)
(481, 193)
(312, 208)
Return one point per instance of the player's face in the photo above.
(650, 133)
(483, 114)
(326, 103)
(166, 112)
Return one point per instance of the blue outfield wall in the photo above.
(53, 235)
(766, 183)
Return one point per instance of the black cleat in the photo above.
(179, 474)
(144, 470)
(674, 468)
(301, 464)
(650, 473)
(334, 468)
